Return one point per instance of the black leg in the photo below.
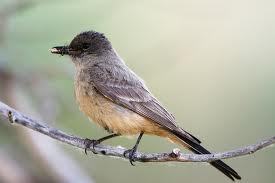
(88, 142)
(133, 150)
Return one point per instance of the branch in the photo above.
(21, 119)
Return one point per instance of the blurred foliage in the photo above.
(211, 63)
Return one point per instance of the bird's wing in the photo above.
(121, 85)
(126, 89)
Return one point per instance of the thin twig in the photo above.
(18, 118)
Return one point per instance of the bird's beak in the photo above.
(62, 50)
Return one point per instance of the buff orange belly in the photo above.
(111, 116)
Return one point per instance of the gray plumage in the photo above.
(113, 96)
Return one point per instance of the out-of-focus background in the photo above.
(210, 62)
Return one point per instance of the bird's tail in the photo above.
(194, 146)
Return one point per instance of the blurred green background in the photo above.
(210, 62)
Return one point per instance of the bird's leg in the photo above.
(88, 142)
(133, 150)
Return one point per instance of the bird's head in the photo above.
(85, 44)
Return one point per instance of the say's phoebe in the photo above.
(114, 97)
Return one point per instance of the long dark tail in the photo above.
(198, 149)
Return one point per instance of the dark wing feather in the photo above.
(134, 99)
(126, 89)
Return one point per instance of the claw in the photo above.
(131, 153)
(88, 143)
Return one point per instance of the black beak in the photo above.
(62, 50)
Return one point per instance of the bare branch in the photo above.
(18, 118)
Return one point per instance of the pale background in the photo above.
(210, 62)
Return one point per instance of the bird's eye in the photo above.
(85, 46)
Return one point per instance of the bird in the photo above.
(110, 94)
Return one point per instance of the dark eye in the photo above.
(85, 46)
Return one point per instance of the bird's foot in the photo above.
(131, 153)
(90, 143)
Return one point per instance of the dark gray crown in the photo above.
(92, 42)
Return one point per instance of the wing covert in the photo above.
(127, 89)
